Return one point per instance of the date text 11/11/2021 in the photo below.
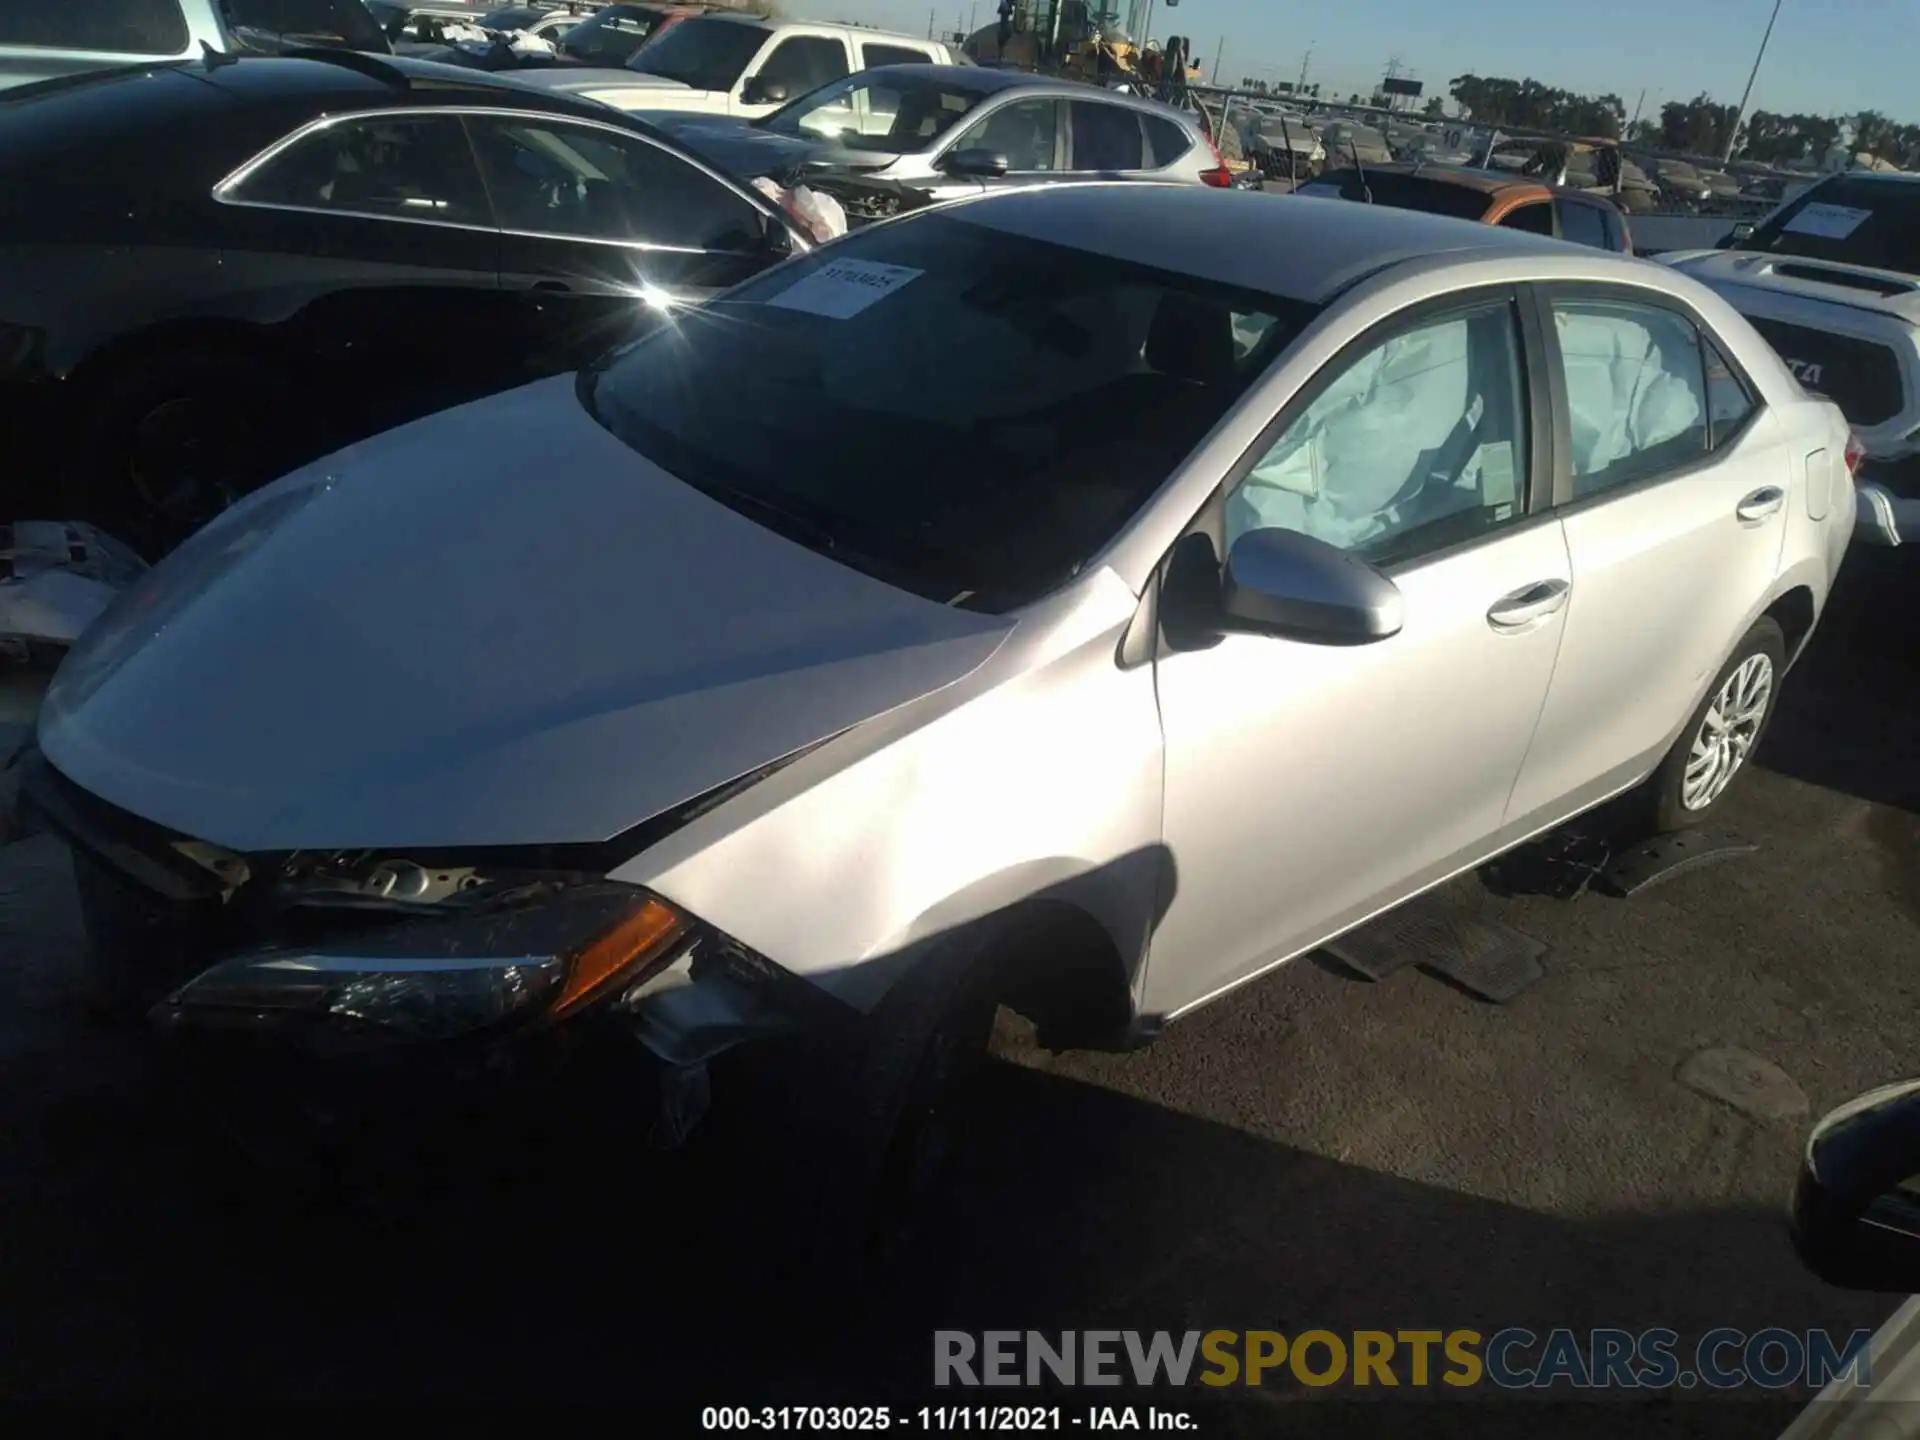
(944, 1419)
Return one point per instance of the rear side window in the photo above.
(1728, 401)
(1535, 218)
(393, 168)
(874, 56)
(1636, 391)
(113, 27)
(1167, 140)
(1583, 225)
(1106, 137)
(598, 185)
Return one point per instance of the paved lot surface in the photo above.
(1315, 1151)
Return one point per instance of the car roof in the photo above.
(982, 78)
(1303, 249)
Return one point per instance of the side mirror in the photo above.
(1856, 1205)
(1279, 582)
(977, 163)
(763, 92)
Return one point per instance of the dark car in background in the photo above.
(42, 39)
(1492, 197)
(264, 258)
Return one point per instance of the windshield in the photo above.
(1875, 223)
(123, 27)
(898, 112)
(276, 24)
(610, 36)
(967, 414)
(702, 54)
(513, 17)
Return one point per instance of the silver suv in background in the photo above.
(892, 139)
(44, 39)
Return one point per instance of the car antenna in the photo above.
(216, 59)
(1293, 161)
(1366, 190)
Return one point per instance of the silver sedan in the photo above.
(1087, 598)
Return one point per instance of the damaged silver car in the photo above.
(1082, 599)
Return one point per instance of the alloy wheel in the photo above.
(1727, 733)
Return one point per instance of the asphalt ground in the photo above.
(1315, 1151)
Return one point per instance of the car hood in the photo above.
(746, 152)
(495, 626)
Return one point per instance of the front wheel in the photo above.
(1723, 733)
(175, 437)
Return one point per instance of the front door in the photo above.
(1675, 513)
(1031, 134)
(796, 65)
(601, 229)
(369, 243)
(1309, 786)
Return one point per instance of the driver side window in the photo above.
(802, 63)
(1417, 444)
(1025, 132)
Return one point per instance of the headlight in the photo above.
(542, 956)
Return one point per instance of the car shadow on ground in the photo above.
(585, 1273)
(1848, 717)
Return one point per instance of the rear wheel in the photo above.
(1723, 733)
(171, 439)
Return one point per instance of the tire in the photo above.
(172, 438)
(1678, 800)
(864, 1159)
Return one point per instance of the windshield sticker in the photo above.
(954, 102)
(844, 288)
(1829, 222)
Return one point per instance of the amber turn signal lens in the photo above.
(635, 940)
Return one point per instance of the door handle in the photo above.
(551, 287)
(1761, 503)
(1531, 603)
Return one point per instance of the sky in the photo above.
(1826, 56)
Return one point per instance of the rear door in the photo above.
(601, 227)
(1672, 487)
(1105, 141)
(368, 240)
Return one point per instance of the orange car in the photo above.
(1493, 197)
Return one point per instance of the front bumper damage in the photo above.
(160, 910)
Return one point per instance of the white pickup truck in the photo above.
(738, 65)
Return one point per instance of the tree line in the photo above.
(1699, 126)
